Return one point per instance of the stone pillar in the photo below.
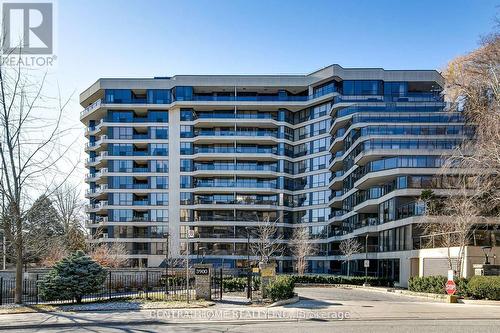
(202, 277)
(267, 275)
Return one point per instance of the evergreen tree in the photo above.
(72, 278)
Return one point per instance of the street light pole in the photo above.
(166, 235)
(249, 273)
(248, 246)
(366, 258)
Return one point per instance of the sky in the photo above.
(132, 38)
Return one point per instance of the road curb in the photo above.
(292, 300)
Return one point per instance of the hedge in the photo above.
(338, 279)
(239, 283)
(281, 288)
(484, 287)
(436, 285)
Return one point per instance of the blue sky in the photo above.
(133, 38)
(147, 38)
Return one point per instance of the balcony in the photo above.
(237, 167)
(96, 191)
(237, 150)
(270, 185)
(408, 97)
(236, 133)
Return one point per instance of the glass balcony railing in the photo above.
(238, 150)
(408, 97)
(270, 185)
(235, 133)
(239, 167)
(213, 98)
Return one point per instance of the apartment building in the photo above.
(343, 151)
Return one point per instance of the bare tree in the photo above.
(450, 220)
(268, 242)
(109, 255)
(472, 84)
(32, 147)
(54, 254)
(302, 248)
(349, 247)
(69, 205)
(472, 173)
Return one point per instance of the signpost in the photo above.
(450, 287)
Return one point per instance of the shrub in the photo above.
(462, 287)
(436, 285)
(484, 287)
(72, 278)
(427, 284)
(234, 283)
(338, 279)
(281, 288)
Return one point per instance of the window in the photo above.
(121, 149)
(186, 198)
(158, 149)
(118, 182)
(320, 110)
(158, 116)
(159, 166)
(319, 180)
(362, 87)
(121, 215)
(160, 199)
(120, 132)
(185, 182)
(122, 116)
(319, 162)
(159, 96)
(186, 115)
(120, 165)
(186, 148)
(183, 93)
(159, 182)
(158, 132)
(159, 215)
(118, 96)
(186, 131)
(122, 199)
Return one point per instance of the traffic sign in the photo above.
(366, 263)
(190, 233)
(450, 287)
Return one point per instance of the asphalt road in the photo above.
(387, 326)
(369, 311)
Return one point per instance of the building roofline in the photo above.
(277, 80)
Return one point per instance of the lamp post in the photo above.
(486, 251)
(366, 258)
(248, 246)
(249, 273)
(166, 236)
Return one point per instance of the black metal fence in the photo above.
(143, 284)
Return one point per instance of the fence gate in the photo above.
(220, 283)
(216, 284)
